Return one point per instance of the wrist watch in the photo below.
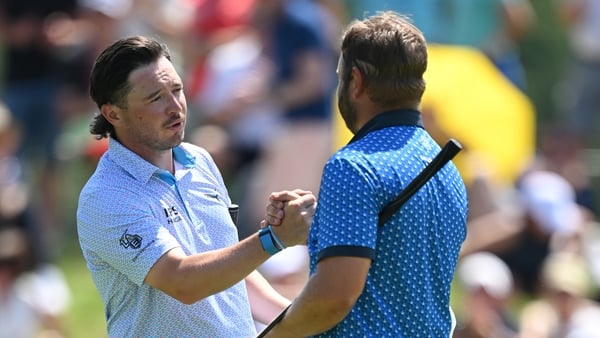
(266, 240)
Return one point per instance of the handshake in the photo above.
(288, 216)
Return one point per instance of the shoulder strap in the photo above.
(439, 161)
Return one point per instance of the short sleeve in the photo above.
(347, 212)
(121, 234)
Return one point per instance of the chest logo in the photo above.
(172, 215)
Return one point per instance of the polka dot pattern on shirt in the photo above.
(408, 287)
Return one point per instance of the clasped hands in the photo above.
(290, 213)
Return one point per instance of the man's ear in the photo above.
(112, 113)
(357, 83)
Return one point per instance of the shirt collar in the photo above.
(184, 157)
(139, 168)
(398, 117)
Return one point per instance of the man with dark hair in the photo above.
(153, 219)
(394, 280)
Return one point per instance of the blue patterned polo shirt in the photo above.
(130, 213)
(407, 292)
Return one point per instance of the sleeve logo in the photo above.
(130, 241)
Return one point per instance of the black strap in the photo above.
(444, 156)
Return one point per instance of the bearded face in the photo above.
(345, 106)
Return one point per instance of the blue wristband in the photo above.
(266, 240)
(278, 243)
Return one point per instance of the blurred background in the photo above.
(517, 82)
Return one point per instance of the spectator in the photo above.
(33, 298)
(565, 308)
(550, 215)
(236, 78)
(488, 287)
(301, 93)
(561, 151)
(34, 295)
(32, 83)
(581, 102)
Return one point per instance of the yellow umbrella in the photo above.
(473, 103)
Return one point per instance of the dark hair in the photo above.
(109, 79)
(391, 53)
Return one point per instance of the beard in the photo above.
(156, 140)
(346, 108)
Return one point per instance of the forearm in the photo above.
(327, 298)
(194, 277)
(265, 302)
(479, 236)
(190, 278)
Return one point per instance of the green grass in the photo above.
(85, 317)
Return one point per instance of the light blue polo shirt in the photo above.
(130, 213)
(414, 255)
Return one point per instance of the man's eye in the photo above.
(156, 98)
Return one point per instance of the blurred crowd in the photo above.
(260, 85)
